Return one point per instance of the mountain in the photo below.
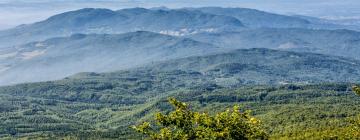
(257, 66)
(178, 22)
(60, 57)
(86, 52)
(330, 42)
(268, 67)
(89, 20)
(259, 19)
(243, 67)
(351, 24)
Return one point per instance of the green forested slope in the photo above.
(92, 109)
(92, 105)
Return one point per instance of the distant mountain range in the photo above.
(168, 21)
(259, 19)
(59, 57)
(102, 21)
(256, 66)
(229, 69)
(268, 67)
(330, 42)
(103, 40)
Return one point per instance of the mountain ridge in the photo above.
(341, 42)
(91, 20)
(256, 18)
(189, 21)
(58, 57)
(257, 66)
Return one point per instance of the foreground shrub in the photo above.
(186, 124)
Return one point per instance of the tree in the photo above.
(355, 127)
(356, 89)
(183, 124)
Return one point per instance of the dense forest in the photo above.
(91, 105)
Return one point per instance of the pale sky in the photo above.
(16, 12)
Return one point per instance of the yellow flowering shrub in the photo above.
(184, 124)
(356, 89)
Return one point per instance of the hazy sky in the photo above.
(16, 12)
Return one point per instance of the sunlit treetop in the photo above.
(356, 89)
(186, 124)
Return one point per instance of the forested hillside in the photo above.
(105, 105)
(105, 109)
(329, 42)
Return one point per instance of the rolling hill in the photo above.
(267, 67)
(330, 42)
(60, 57)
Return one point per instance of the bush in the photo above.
(186, 124)
(356, 89)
